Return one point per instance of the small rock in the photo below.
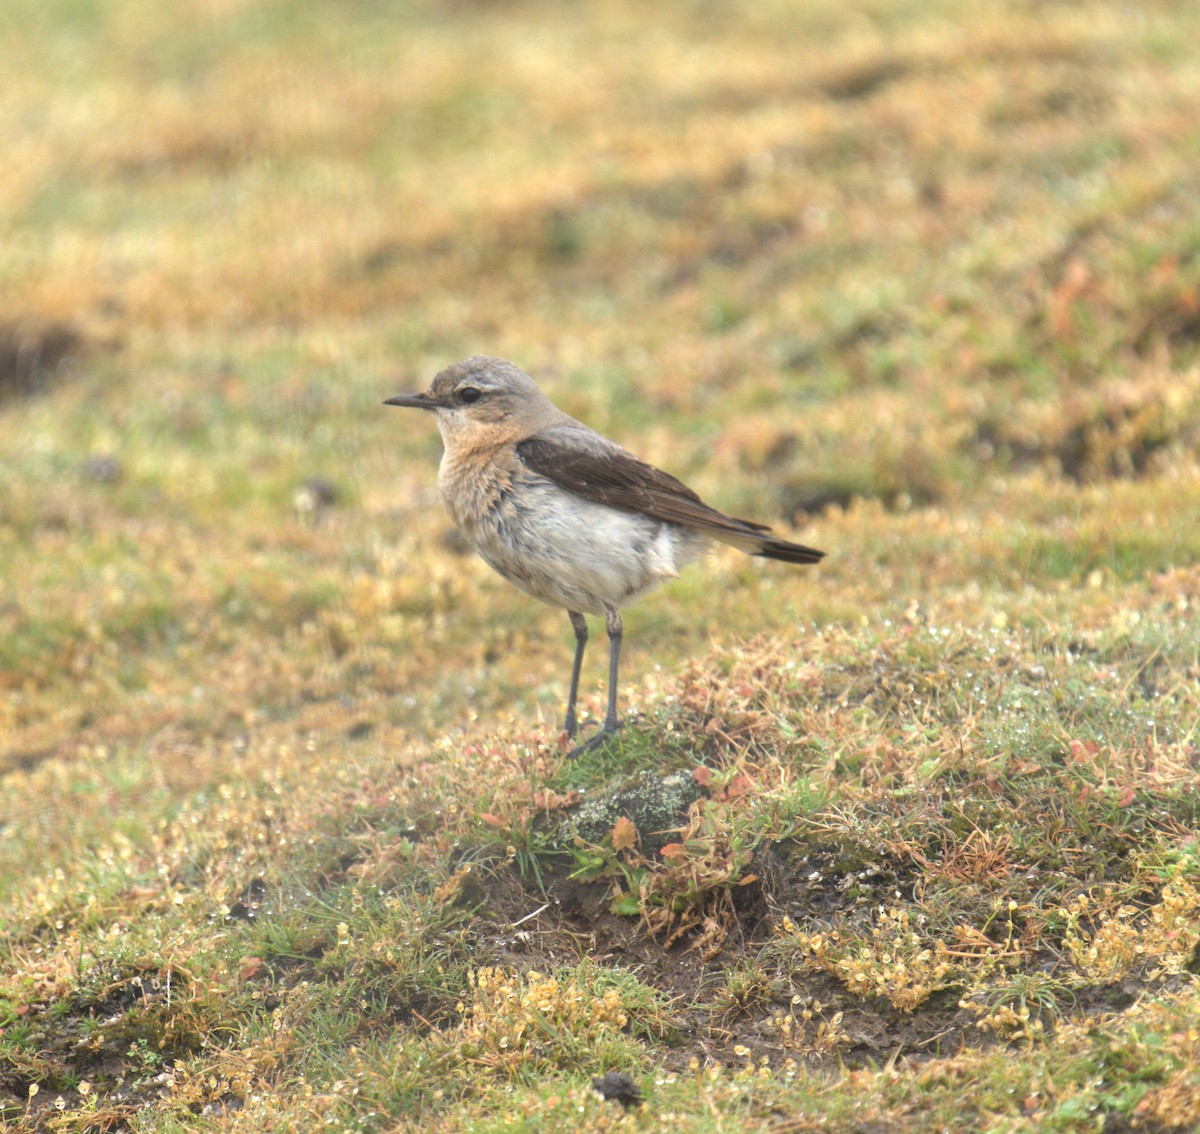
(100, 468)
(314, 495)
(619, 1086)
(654, 804)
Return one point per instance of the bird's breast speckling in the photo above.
(553, 544)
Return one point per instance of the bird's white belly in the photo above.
(573, 553)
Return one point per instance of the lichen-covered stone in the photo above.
(656, 805)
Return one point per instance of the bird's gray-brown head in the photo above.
(483, 398)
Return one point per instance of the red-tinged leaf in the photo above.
(703, 775)
(624, 834)
(249, 967)
(674, 850)
(748, 880)
(738, 786)
(1127, 797)
(492, 820)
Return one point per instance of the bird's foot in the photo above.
(572, 728)
(609, 730)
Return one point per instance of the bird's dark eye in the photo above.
(469, 394)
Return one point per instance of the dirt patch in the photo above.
(122, 1036)
(828, 879)
(33, 356)
(528, 929)
(758, 999)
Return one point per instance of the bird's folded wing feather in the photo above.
(617, 478)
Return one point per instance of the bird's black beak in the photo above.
(424, 400)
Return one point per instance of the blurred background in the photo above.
(917, 282)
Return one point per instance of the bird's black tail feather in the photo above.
(788, 552)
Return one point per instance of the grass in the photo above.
(907, 842)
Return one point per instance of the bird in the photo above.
(565, 514)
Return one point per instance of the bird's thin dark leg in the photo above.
(612, 622)
(579, 623)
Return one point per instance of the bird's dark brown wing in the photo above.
(620, 480)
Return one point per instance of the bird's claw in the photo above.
(609, 729)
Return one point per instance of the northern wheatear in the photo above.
(562, 512)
